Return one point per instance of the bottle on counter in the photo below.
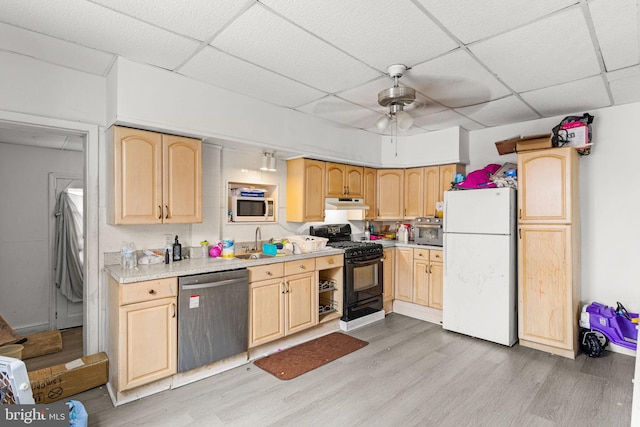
(177, 250)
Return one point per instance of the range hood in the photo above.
(344, 203)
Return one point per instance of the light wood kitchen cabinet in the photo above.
(549, 251)
(390, 197)
(431, 190)
(330, 287)
(305, 190)
(404, 274)
(344, 180)
(427, 278)
(446, 175)
(154, 178)
(413, 193)
(143, 332)
(369, 192)
(388, 277)
(283, 304)
(549, 196)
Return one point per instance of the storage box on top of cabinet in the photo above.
(153, 178)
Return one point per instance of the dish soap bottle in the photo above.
(177, 250)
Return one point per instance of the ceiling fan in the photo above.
(396, 98)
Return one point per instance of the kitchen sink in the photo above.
(255, 255)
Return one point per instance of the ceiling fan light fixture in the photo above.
(382, 123)
(404, 120)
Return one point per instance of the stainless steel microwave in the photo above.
(251, 209)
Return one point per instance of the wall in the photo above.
(608, 201)
(24, 231)
(432, 148)
(159, 100)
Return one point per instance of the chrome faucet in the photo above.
(258, 233)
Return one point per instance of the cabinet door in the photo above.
(435, 285)
(369, 192)
(354, 180)
(404, 274)
(546, 313)
(546, 192)
(431, 189)
(313, 190)
(447, 174)
(137, 177)
(266, 311)
(420, 282)
(302, 302)
(388, 273)
(148, 348)
(182, 180)
(390, 194)
(336, 180)
(413, 193)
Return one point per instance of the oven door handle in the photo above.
(357, 263)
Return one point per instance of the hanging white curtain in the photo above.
(69, 244)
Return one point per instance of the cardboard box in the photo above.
(60, 381)
(525, 143)
(534, 142)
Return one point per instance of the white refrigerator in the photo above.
(480, 277)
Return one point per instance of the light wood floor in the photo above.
(412, 373)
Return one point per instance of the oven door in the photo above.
(428, 235)
(363, 279)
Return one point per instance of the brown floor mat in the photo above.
(305, 357)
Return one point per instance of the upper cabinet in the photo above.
(390, 198)
(413, 192)
(447, 174)
(370, 192)
(550, 195)
(154, 178)
(305, 190)
(344, 180)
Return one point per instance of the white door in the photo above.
(63, 313)
(479, 287)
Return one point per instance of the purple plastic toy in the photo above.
(600, 324)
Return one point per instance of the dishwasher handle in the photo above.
(213, 284)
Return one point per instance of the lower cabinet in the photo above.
(143, 328)
(419, 274)
(388, 278)
(283, 299)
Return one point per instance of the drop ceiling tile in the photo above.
(199, 19)
(55, 51)
(572, 97)
(472, 20)
(446, 119)
(531, 57)
(499, 112)
(617, 32)
(100, 28)
(222, 70)
(625, 85)
(373, 31)
(267, 40)
(455, 80)
(341, 111)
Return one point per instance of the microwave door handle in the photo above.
(266, 209)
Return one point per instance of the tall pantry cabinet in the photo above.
(549, 250)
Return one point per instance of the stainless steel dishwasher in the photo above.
(213, 317)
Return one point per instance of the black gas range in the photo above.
(362, 270)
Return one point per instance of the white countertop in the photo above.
(191, 266)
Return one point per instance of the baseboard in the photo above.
(419, 312)
(362, 321)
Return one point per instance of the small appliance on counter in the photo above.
(428, 230)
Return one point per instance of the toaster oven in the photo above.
(428, 231)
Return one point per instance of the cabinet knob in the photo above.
(302, 266)
(331, 261)
(152, 291)
(269, 273)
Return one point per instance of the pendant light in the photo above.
(268, 161)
